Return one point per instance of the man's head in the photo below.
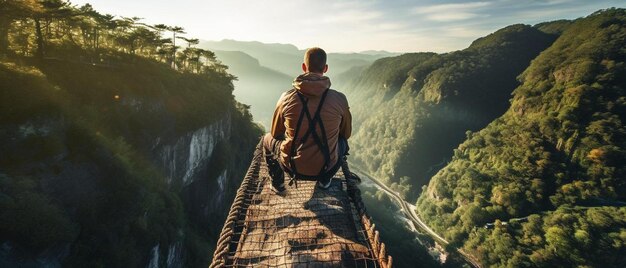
(315, 61)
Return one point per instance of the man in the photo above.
(310, 127)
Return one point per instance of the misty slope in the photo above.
(88, 179)
(343, 80)
(256, 85)
(284, 58)
(410, 111)
(557, 156)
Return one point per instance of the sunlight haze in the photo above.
(350, 26)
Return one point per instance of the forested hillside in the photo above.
(410, 111)
(118, 148)
(544, 185)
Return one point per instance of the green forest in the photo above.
(515, 145)
(414, 109)
(87, 100)
(543, 185)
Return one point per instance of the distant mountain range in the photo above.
(286, 58)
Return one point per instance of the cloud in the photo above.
(451, 12)
(450, 7)
(555, 2)
(354, 16)
(453, 16)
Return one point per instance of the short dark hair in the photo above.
(315, 59)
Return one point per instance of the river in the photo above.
(407, 244)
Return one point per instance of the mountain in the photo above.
(381, 53)
(344, 79)
(283, 58)
(412, 110)
(544, 185)
(287, 58)
(252, 47)
(256, 85)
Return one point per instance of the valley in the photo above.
(122, 147)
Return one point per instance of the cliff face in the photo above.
(186, 158)
(127, 166)
(186, 163)
(189, 166)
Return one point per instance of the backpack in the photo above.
(322, 142)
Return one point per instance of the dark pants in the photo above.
(272, 147)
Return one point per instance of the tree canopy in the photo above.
(548, 176)
(47, 28)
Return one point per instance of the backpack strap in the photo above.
(321, 142)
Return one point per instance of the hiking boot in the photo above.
(324, 184)
(276, 173)
(278, 188)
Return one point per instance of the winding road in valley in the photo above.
(409, 211)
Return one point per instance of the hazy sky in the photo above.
(341, 26)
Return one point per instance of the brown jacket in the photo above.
(335, 115)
